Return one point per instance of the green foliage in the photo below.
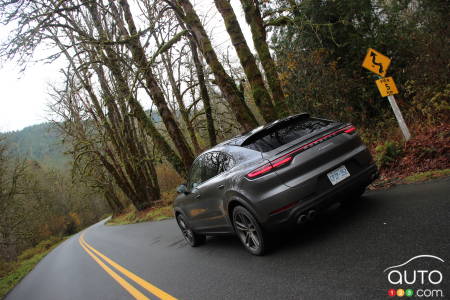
(162, 211)
(37, 203)
(387, 153)
(42, 247)
(6, 267)
(320, 53)
(131, 216)
(437, 102)
(40, 143)
(12, 272)
(422, 176)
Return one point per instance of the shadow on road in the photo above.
(335, 219)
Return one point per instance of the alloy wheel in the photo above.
(247, 231)
(185, 230)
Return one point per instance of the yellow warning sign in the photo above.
(376, 62)
(387, 86)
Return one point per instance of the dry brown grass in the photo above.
(160, 211)
(168, 179)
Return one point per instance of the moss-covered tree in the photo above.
(243, 114)
(259, 35)
(255, 79)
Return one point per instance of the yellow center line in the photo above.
(142, 282)
(128, 287)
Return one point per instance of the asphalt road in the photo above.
(341, 255)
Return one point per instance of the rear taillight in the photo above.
(350, 129)
(270, 166)
(260, 171)
(281, 161)
(287, 158)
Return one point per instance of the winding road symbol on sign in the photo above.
(374, 55)
(376, 62)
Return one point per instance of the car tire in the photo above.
(249, 231)
(353, 197)
(192, 238)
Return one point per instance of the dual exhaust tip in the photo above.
(309, 216)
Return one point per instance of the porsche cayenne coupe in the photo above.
(282, 173)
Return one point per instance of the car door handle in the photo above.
(221, 186)
(197, 196)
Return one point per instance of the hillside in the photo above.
(41, 143)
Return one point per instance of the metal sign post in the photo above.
(387, 88)
(399, 116)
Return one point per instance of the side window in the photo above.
(195, 177)
(225, 162)
(216, 163)
(210, 166)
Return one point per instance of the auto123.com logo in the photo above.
(418, 277)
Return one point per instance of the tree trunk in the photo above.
(254, 19)
(112, 62)
(260, 94)
(243, 114)
(203, 92)
(112, 199)
(122, 153)
(139, 58)
(183, 111)
(139, 113)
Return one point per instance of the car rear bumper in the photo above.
(321, 200)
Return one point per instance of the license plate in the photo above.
(338, 175)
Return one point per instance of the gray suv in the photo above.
(281, 173)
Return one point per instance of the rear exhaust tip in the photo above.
(312, 214)
(302, 219)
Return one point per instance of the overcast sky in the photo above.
(24, 98)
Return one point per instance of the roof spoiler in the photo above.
(275, 124)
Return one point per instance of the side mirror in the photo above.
(182, 189)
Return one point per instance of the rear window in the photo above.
(283, 133)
